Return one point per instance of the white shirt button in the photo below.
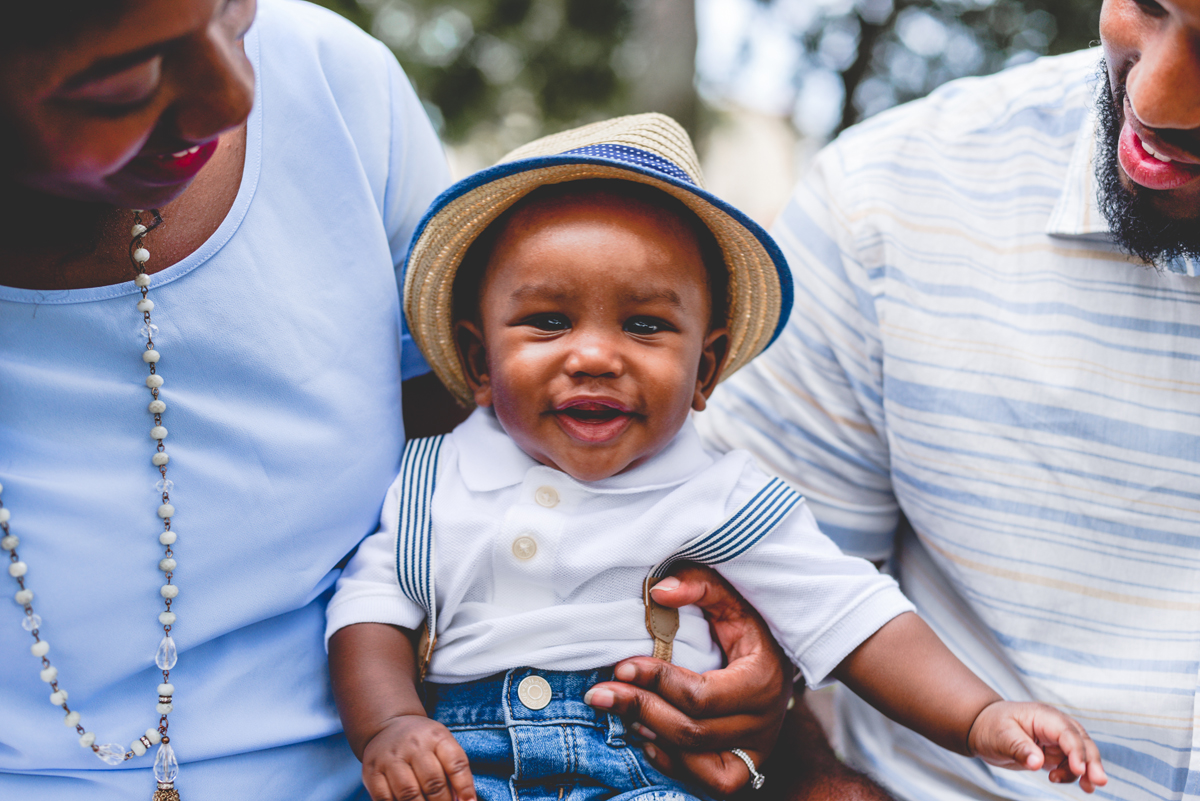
(534, 692)
(546, 496)
(524, 547)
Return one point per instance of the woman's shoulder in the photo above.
(299, 38)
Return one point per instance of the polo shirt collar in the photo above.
(1077, 213)
(489, 459)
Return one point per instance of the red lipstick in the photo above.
(166, 169)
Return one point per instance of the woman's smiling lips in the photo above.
(167, 169)
(593, 420)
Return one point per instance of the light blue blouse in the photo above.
(282, 344)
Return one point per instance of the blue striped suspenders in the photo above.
(740, 532)
(415, 563)
(414, 537)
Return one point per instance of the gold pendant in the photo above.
(166, 792)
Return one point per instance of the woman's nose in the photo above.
(216, 89)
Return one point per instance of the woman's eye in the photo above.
(644, 325)
(123, 91)
(549, 322)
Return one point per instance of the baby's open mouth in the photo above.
(593, 412)
(593, 420)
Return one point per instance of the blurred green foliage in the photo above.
(510, 70)
(528, 65)
(891, 51)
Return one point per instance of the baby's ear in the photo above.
(473, 357)
(712, 364)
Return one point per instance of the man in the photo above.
(991, 380)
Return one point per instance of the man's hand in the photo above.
(694, 719)
(414, 758)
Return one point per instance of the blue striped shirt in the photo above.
(978, 386)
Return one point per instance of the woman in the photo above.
(289, 160)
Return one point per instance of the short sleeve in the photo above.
(368, 590)
(417, 173)
(810, 408)
(819, 603)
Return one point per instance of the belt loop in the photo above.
(616, 732)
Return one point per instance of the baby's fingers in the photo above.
(458, 769)
(431, 778)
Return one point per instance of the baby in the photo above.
(586, 295)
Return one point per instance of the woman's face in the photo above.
(128, 111)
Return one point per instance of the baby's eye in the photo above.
(645, 325)
(549, 322)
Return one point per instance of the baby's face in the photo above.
(594, 338)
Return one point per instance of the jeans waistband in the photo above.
(495, 701)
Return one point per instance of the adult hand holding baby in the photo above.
(694, 718)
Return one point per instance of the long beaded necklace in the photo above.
(166, 766)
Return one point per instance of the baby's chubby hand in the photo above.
(414, 758)
(1031, 736)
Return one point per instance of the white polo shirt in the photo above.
(535, 568)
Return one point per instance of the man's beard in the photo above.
(1137, 226)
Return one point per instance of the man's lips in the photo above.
(166, 169)
(593, 420)
(1150, 162)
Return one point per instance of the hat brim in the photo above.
(760, 285)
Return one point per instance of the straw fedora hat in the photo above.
(647, 148)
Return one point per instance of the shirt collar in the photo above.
(1077, 213)
(490, 460)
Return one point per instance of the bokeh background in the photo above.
(760, 84)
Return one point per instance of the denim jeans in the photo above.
(566, 751)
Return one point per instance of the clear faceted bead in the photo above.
(167, 656)
(32, 622)
(148, 332)
(112, 753)
(166, 767)
(164, 485)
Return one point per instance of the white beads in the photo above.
(141, 255)
(150, 357)
(145, 305)
(137, 230)
(142, 280)
(157, 407)
(18, 569)
(40, 648)
(167, 538)
(71, 720)
(166, 618)
(5, 515)
(58, 698)
(158, 432)
(10, 542)
(137, 747)
(49, 674)
(154, 381)
(166, 689)
(164, 709)
(159, 459)
(168, 591)
(154, 736)
(87, 739)
(166, 510)
(166, 565)
(23, 597)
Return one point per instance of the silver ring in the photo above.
(756, 779)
